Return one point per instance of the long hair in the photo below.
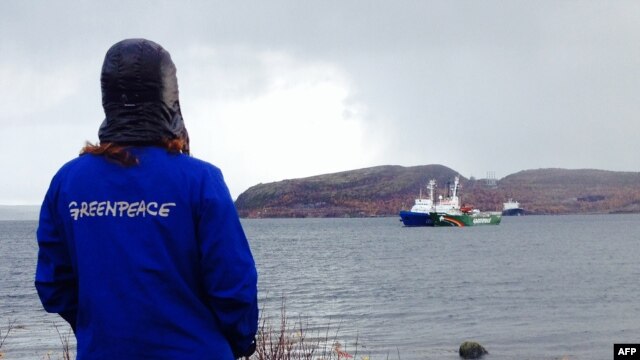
(120, 154)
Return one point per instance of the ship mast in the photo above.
(455, 186)
(455, 198)
(431, 187)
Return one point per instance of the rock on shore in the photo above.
(471, 350)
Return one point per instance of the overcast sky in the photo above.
(274, 90)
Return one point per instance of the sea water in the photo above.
(534, 287)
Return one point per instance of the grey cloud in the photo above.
(479, 86)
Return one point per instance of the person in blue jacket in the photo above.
(141, 249)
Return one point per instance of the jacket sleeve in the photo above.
(230, 274)
(55, 279)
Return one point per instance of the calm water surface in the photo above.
(537, 287)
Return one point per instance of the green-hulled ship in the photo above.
(466, 219)
(449, 213)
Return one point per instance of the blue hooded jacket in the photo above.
(147, 261)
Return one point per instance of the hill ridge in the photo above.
(386, 189)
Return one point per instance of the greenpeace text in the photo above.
(119, 209)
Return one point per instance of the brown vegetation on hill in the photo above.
(385, 190)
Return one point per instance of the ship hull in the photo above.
(462, 220)
(513, 212)
(410, 218)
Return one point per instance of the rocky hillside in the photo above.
(560, 191)
(384, 190)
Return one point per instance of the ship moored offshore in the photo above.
(446, 211)
(419, 213)
(512, 208)
(449, 213)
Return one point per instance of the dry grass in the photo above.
(3, 338)
(64, 342)
(291, 341)
(288, 340)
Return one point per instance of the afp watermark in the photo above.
(626, 351)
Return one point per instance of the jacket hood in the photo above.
(140, 95)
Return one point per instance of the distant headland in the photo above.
(385, 190)
(19, 212)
